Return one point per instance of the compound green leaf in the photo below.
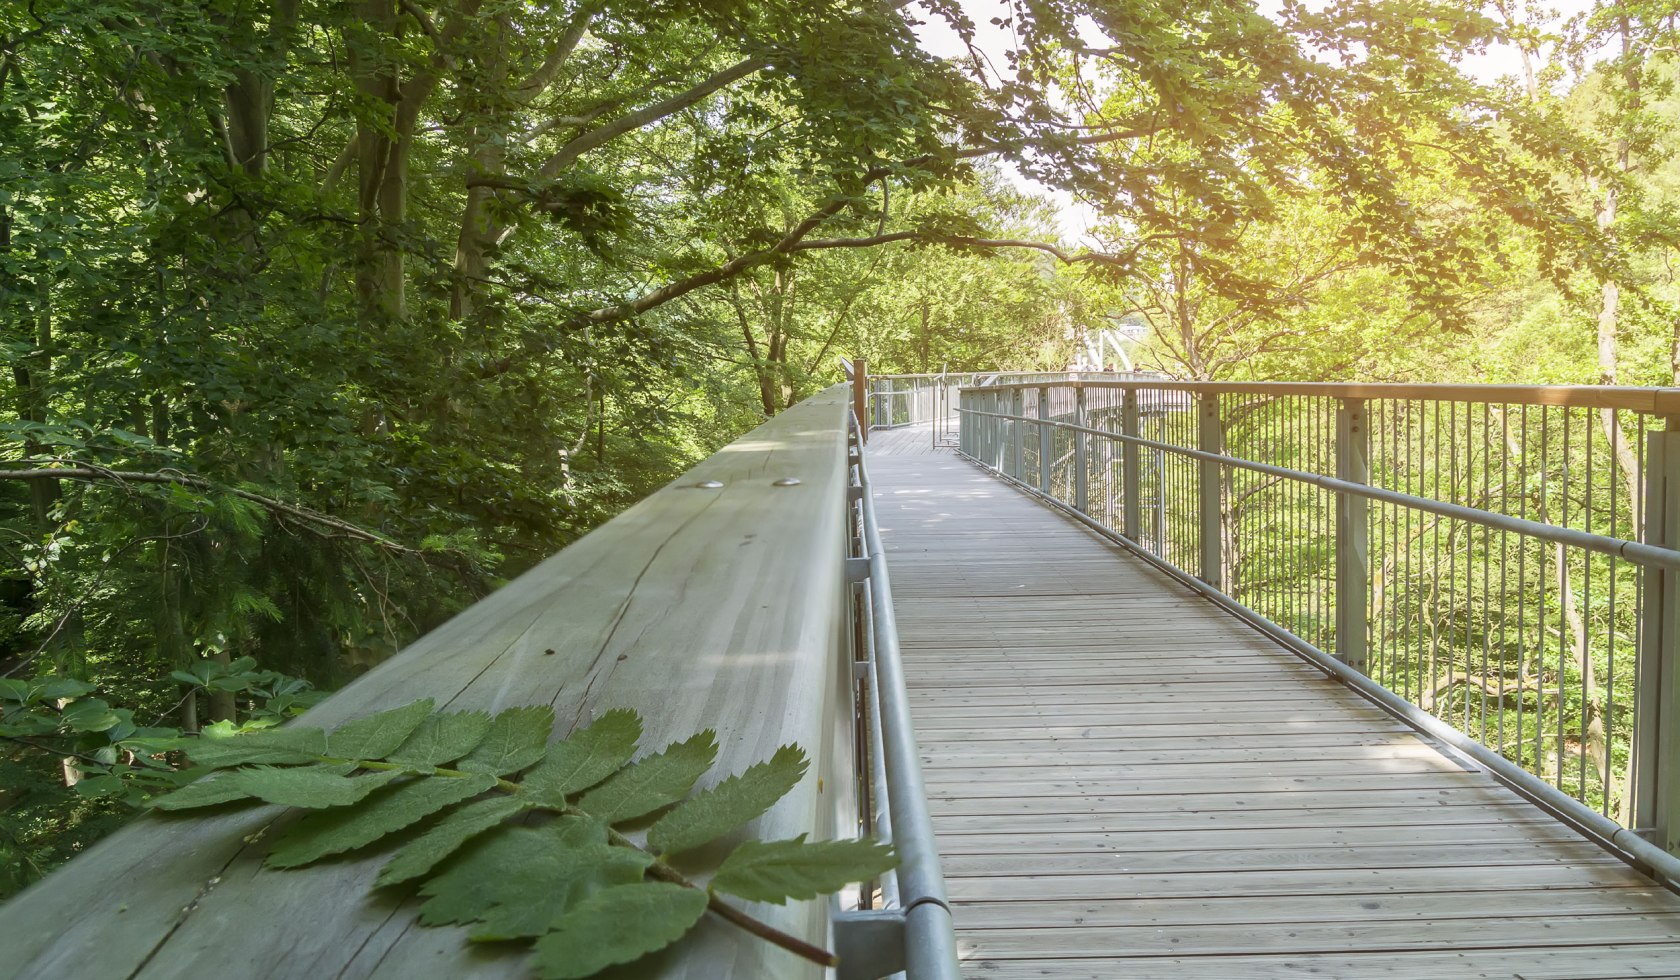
(517, 740)
(617, 925)
(426, 851)
(491, 868)
(653, 782)
(589, 756)
(531, 899)
(347, 828)
(211, 791)
(377, 735)
(310, 787)
(269, 746)
(775, 871)
(442, 738)
(729, 805)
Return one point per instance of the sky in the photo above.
(992, 41)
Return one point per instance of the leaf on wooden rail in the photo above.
(617, 925)
(377, 735)
(653, 782)
(480, 875)
(349, 827)
(775, 871)
(530, 902)
(516, 740)
(269, 746)
(442, 738)
(311, 787)
(447, 836)
(590, 755)
(729, 805)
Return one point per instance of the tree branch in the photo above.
(99, 474)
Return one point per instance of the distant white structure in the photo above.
(1105, 347)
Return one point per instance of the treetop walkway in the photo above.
(1143, 678)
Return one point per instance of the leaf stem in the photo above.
(723, 910)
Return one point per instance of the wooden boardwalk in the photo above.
(1128, 782)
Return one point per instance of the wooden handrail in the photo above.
(699, 607)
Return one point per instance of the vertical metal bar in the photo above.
(1081, 487)
(1353, 463)
(1656, 734)
(1130, 483)
(860, 397)
(1210, 439)
(1017, 431)
(1046, 441)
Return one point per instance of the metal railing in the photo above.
(906, 925)
(1501, 560)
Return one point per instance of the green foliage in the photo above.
(617, 925)
(776, 871)
(729, 804)
(571, 880)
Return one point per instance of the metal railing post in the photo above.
(1131, 482)
(861, 402)
(1353, 464)
(1017, 432)
(1656, 735)
(1046, 438)
(1081, 487)
(1210, 438)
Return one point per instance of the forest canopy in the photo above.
(324, 317)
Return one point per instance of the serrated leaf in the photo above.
(429, 849)
(729, 805)
(775, 871)
(269, 746)
(529, 901)
(206, 792)
(480, 874)
(516, 740)
(617, 925)
(347, 828)
(590, 755)
(377, 735)
(442, 738)
(650, 783)
(313, 787)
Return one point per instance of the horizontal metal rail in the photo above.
(1663, 402)
(1633, 551)
(915, 894)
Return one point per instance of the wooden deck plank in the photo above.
(1128, 782)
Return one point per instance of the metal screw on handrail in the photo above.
(707, 485)
(786, 481)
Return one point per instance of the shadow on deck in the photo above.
(1127, 781)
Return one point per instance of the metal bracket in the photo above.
(870, 943)
(854, 494)
(857, 570)
(860, 670)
